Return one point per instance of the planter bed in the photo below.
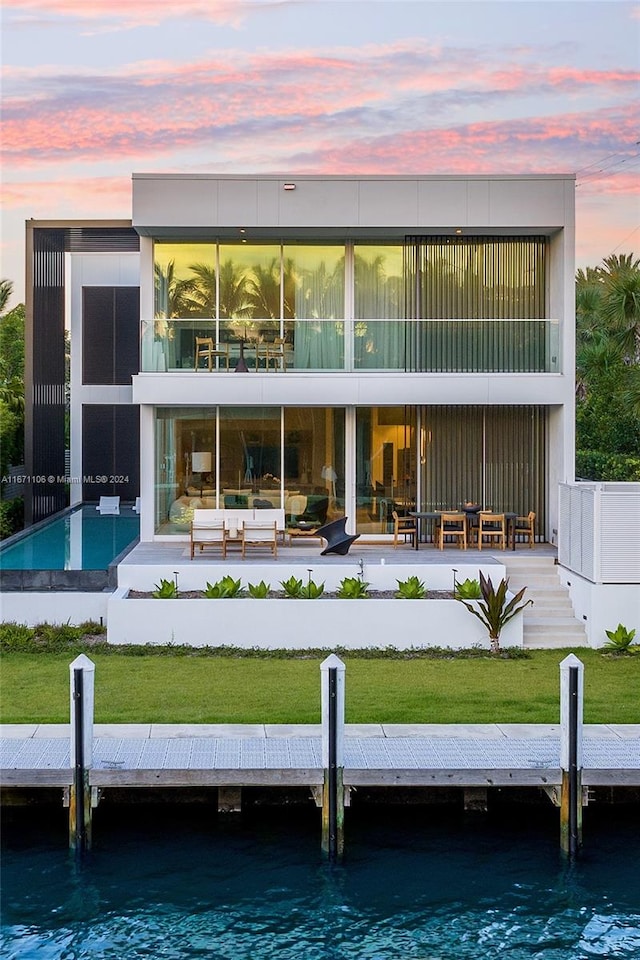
(278, 622)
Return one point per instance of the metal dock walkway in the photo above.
(463, 755)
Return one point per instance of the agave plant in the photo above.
(311, 591)
(620, 639)
(352, 588)
(410, 589)
(493, 610)
(168, 590)
(259, 591)
(292, 586)
(223, 589)
(468, 590)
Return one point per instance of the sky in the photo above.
(95, 90)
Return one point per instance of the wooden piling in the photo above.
(332, 675)
(82, 676)
(571, 722)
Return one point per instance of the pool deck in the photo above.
(187, 755)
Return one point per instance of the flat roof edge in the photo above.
(349, 177)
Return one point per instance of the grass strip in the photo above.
(156, 687)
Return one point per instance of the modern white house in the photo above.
(327, 344)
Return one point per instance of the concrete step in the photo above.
(550, 623)
(546, 624)
(543, 640)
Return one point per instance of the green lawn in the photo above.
(182, 689)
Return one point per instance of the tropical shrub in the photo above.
(493, 610)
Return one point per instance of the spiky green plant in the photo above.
(311, 591)
(352, 588)
(259, 590)
(166, 591)
(223, 589)
(468, 590)
(493, 610)
(620, 639)
(410, 589)
(292, 586)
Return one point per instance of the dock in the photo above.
(268, 755)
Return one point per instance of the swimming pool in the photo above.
(81, 539)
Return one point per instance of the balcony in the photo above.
(416, 346)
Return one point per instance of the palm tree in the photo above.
(170, 292)
(6, 290)
(621, 305)
(234, 298)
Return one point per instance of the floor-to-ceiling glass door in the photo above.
(385, 466)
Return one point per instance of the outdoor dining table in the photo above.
(434, 516)
(420, 516)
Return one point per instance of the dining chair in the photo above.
(403, 527)
(525, 526)
(206, 349)
(492, 526)
(452, 525)
(276, 351)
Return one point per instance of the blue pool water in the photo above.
(81, 540)
(415, 885)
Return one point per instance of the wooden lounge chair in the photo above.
(206, 531)
(260, 534)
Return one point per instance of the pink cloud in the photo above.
(153, 106)
(132, 13)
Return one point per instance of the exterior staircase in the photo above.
(550, 622)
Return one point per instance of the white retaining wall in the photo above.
(31, 608)
(287, 623)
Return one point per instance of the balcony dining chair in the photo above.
(260, 534)
(276, 351)
(109, 505)
(452, 525)
(403, 527)
(206, 349)
(525, 527)
(492, 526)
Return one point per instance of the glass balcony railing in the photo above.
(416, 346)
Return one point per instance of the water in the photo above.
(416, 884)
(81, 540)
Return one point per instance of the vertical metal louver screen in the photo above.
(494, 456)
(482, 300)
(45, 440)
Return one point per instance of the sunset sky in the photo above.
(94, 90)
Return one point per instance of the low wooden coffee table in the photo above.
(302, 532)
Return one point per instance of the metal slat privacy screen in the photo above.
(491, 292)
(494, 456)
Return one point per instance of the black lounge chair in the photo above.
(338, 540)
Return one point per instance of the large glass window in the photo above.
(378, 305)
(251, 472)
(385, 466)
(184, 465)
(314, 463)
(248, 458)
(314, 300)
